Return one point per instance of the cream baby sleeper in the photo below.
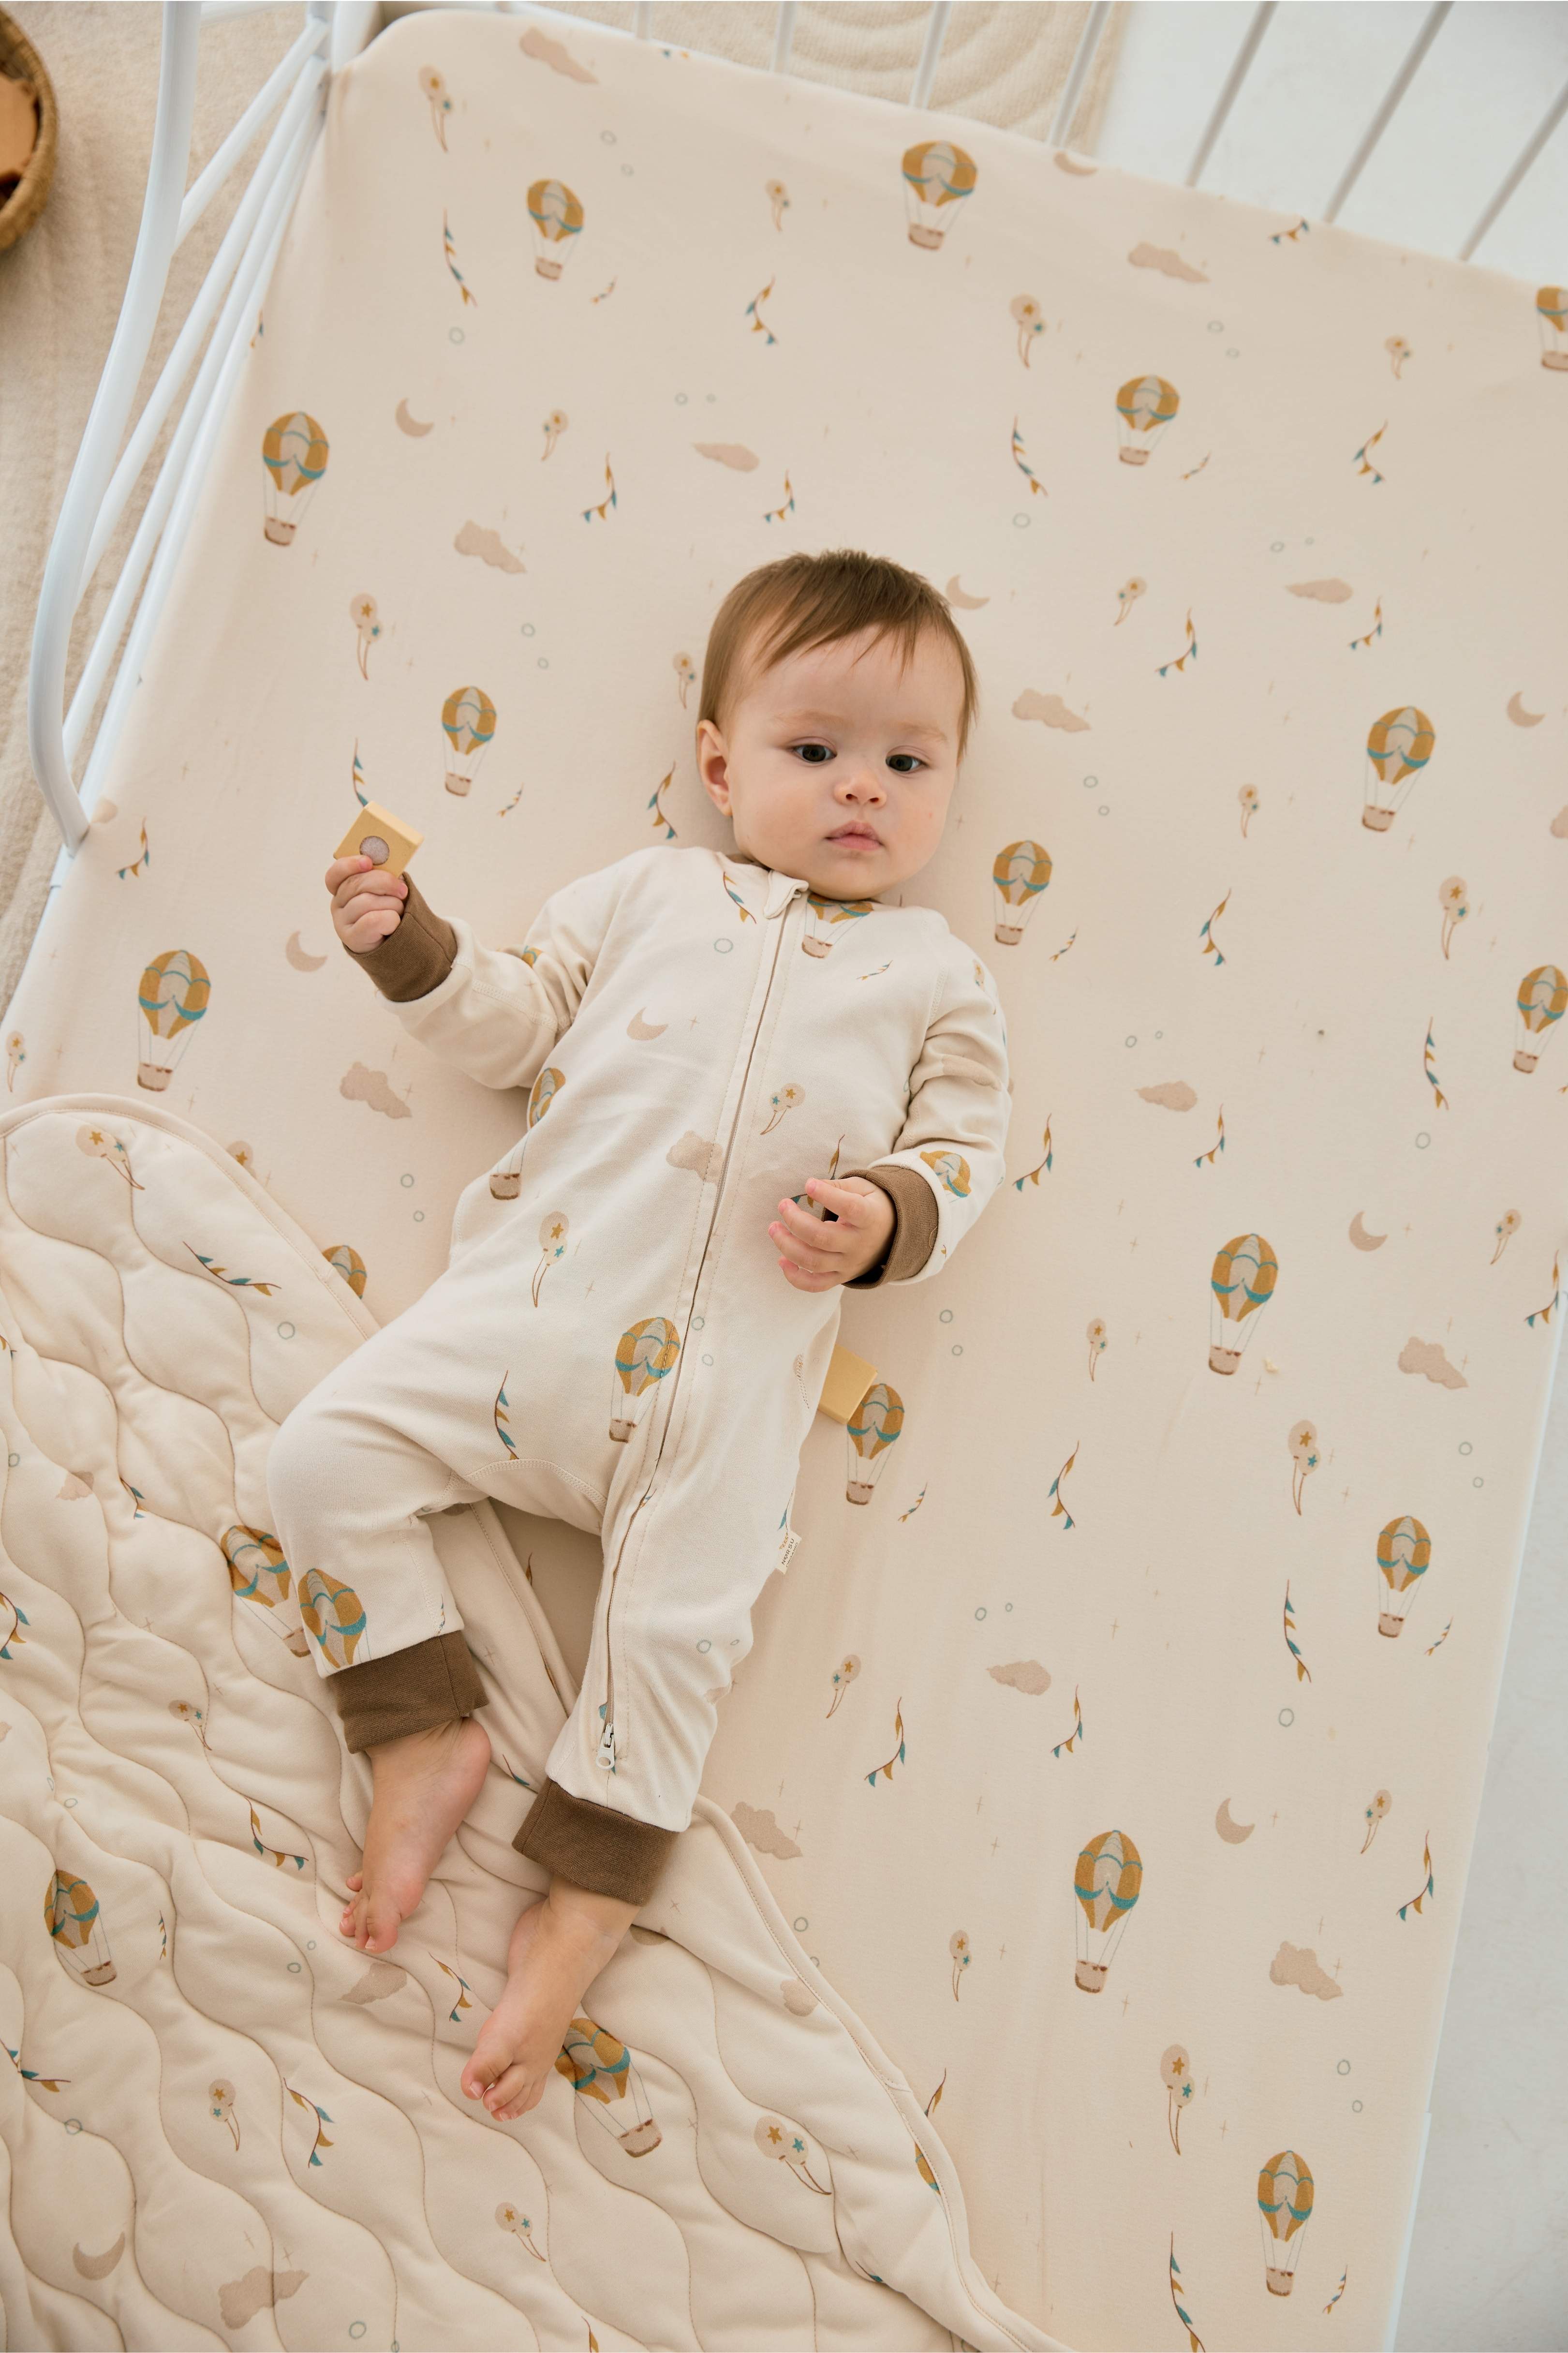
(613, 1341)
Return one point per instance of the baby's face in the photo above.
(836, 765)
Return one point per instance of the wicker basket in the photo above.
(20, 58)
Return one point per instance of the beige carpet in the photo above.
(1004, 61)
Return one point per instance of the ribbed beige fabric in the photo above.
(1004, 61)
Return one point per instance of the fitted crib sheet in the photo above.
(1119, 1764)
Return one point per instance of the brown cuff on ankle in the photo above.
(595, 1847)
(409, 1691)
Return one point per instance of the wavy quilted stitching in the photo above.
(228, 1964)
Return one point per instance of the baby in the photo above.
(753, 1078)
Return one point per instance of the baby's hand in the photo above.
(367, 902)
(821, 1255)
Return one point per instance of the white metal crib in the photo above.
(292, 100)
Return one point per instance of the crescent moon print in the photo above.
(1362, 1238)
(298, 957)
(410, 424)
(1233, 1831)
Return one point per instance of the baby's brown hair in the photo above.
(801, 601)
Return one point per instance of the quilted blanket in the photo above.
(224, 2126)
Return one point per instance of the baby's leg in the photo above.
(348, 1492)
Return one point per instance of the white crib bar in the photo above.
(1088, 43)
(274, 202)
(1532, 148)
(230, 341)
(61, 590)
(784, 34)
(1232, 81)
(177, 364)
(1379, 120)
(925, 73)
(202, 191)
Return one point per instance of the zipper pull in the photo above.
(606, 1758)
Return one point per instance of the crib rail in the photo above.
(101, 482)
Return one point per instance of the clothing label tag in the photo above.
(791, 1541)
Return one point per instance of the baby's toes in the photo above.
(474, 2080)
(381, 1920)
(506, 2098)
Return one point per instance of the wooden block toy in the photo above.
(848, 1379)
(376, 833)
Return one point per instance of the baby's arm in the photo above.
(496, 1013)
(947, 1160)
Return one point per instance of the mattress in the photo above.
(1114, 1773)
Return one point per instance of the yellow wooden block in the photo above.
(848, 1379)
(376, 833)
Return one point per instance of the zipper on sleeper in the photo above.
(605, 1755)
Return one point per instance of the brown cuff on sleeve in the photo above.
(592, 1846)
(409, 1691)
(913, 1237)
(415, 958)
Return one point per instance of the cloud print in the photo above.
(374, 1088)
(473, 541)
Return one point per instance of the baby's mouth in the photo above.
(857, 833)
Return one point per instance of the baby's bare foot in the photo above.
(425, 1784)
(550, 1963)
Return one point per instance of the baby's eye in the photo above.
(813, 747)
(905, 756)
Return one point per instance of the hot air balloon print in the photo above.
(951, 1169)
(1144, 407)
(1398, 745)
(1107, 1882)
(335, 1614)
(826, 916)
(1284, 2206)
(348, 1262)
(469, 721)
(1019, 873)
(506, 1177)
(937, 176)
(1551, 314)
(1404, 1553)
(294, 452)
(600, 2069)
(644, 1354)
(1543, 993)
(872, 1430)
(259, 1574)
(72, 1918)
(557, 217)
(1242, 1280)
(172, 996)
